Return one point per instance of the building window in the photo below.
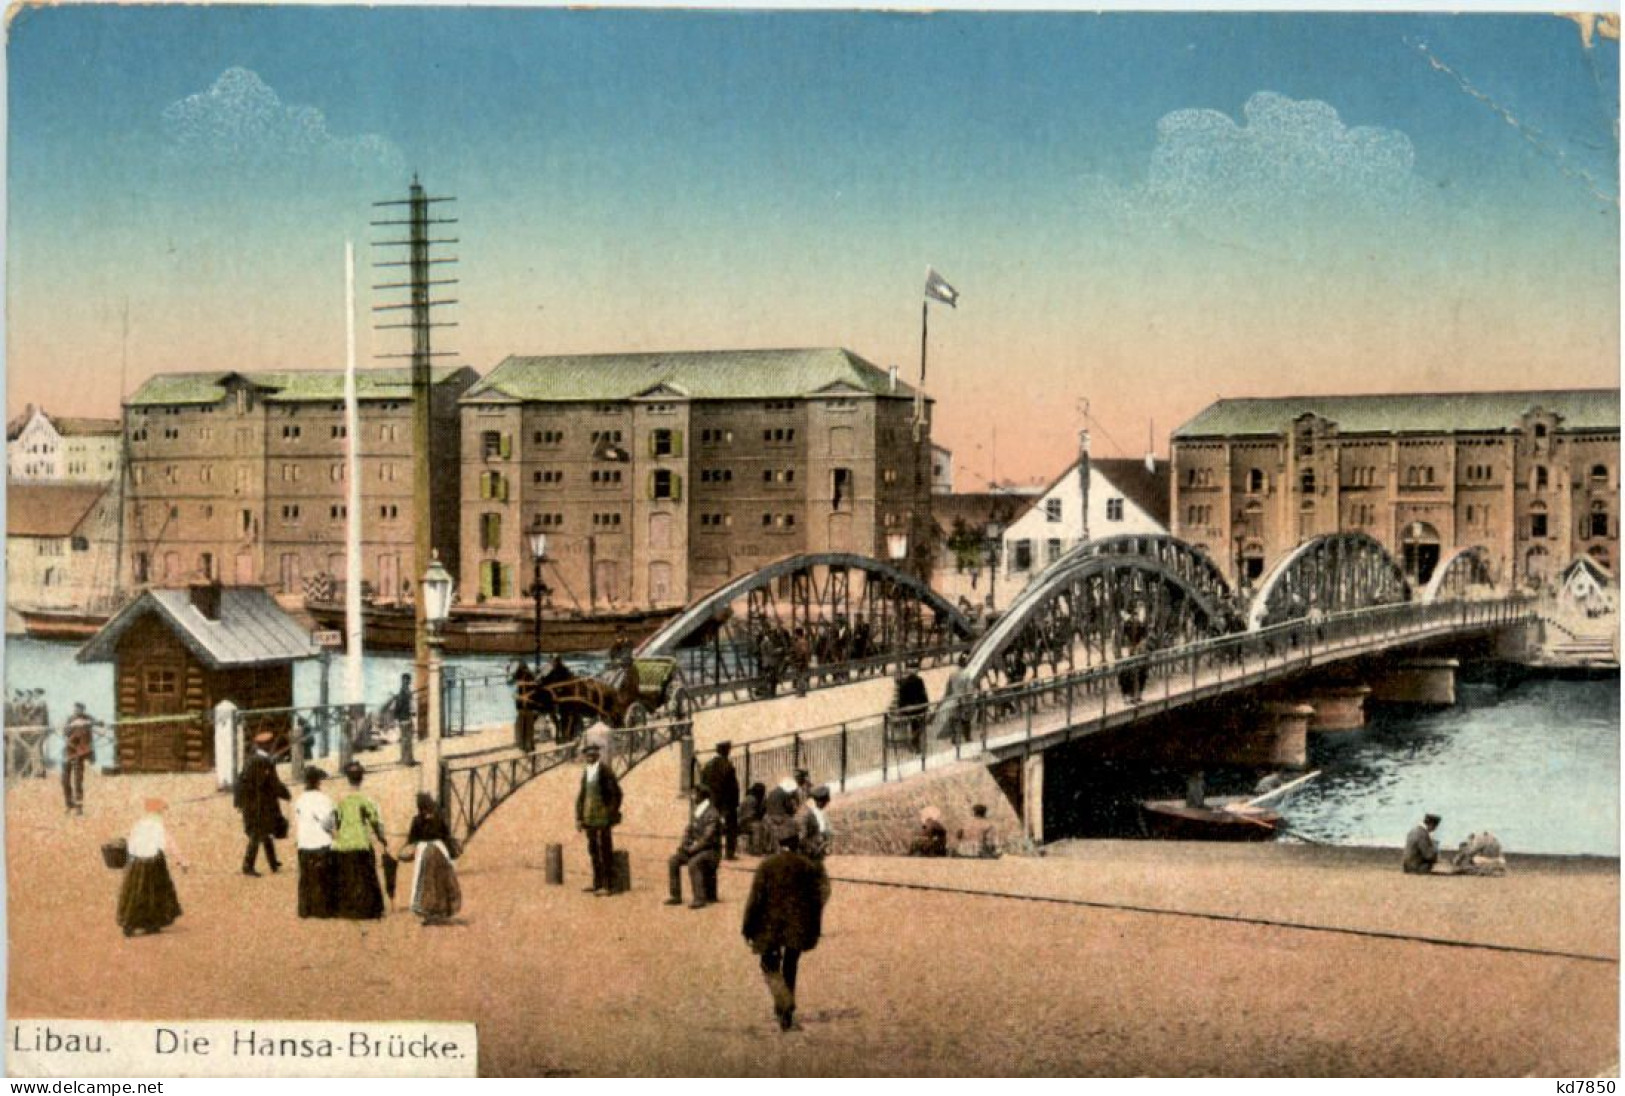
(495, 445)
(1599, 519)
(205, 564)
(1255, 481)
(160, 682)
(888, 476)
(1052, 509)
(553, 476)
(1542, 479)
(1022, 557)
(335, 472)
(716, 436)
(550, 521)
(1540, 430)
(290, 473)
(665, 484)
(1537, 524)
(1306, 481)
(607, 521)
(496, 579)
(549, 437)
(490, 532)
(291, 432)
(386, 432)
(386, 472)
(339, 431)
(716, 475)
(389, 511)
(666, 443)
(1599, 475)
(493, 486)
(1114, 509)
(338, 513)
(1052, 550)
(81, 544)
(779, 435)
(290, 514)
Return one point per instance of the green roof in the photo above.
(291, 386)
(696, 375)
(1420, 413)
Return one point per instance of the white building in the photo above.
(1125, 496)
(942, 470)
(42, 449)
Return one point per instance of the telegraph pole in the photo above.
(419, 263)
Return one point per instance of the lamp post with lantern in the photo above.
(437, 592)
(538, 589)
(897, 552)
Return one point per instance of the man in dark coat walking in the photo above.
(258, 790)
(783, 918)
(598, 812)
(722, 786)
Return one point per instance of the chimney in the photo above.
(205, 597)
(1150, 462)
(893, 371)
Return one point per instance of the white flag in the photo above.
(938, 289)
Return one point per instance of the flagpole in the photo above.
(354, 677)
(919, 392)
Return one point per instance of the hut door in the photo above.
(160, 685)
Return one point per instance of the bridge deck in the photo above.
(1001, 723)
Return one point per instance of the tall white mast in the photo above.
(353, 688)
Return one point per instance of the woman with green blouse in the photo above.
(356, 893)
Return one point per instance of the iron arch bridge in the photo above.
(1333, 573)
(1466, 573)
(1100, 609)
(821, 615)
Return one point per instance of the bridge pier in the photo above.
(1032, 797)
(1337, 707)
(1429, 681)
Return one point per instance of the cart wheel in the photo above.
(681, 705)
(636, 715)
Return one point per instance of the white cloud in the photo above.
(1288, 166)
(242, 122)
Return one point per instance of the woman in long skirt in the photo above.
(354, 865)
(436, 895)
(147, 901)
(315, 821)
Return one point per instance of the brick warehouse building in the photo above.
(1531, 476)
(659, 476)
(241, 477)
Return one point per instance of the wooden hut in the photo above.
(178, 653)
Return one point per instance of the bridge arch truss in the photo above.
(849, 608)
(1329, 574)
(1465, 573)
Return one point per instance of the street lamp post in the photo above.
(992, 535)
(538, 589)
(437, 586)
(897, 552)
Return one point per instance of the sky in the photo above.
(1142, 212)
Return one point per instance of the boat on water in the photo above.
(1226, 818)
(493, 632)
(60, 624)
(1199, 817)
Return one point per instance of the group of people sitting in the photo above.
(1479, 854)
(793, 806)
(975, 840)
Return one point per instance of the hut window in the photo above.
(160, 682)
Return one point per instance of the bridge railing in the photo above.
(888, 746)
(716, 691)
(473, 785)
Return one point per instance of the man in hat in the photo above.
(722, 788)
(1421, 851)
(697, 852)
(783, 918)
(812, 825)
(77, 746)
(258, 789)
(598, 812)
(910, 702)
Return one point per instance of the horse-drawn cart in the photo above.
(627, 694)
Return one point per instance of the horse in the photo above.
(574, 702)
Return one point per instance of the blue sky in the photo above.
(1145, 210)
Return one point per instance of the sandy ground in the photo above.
(926, 968)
